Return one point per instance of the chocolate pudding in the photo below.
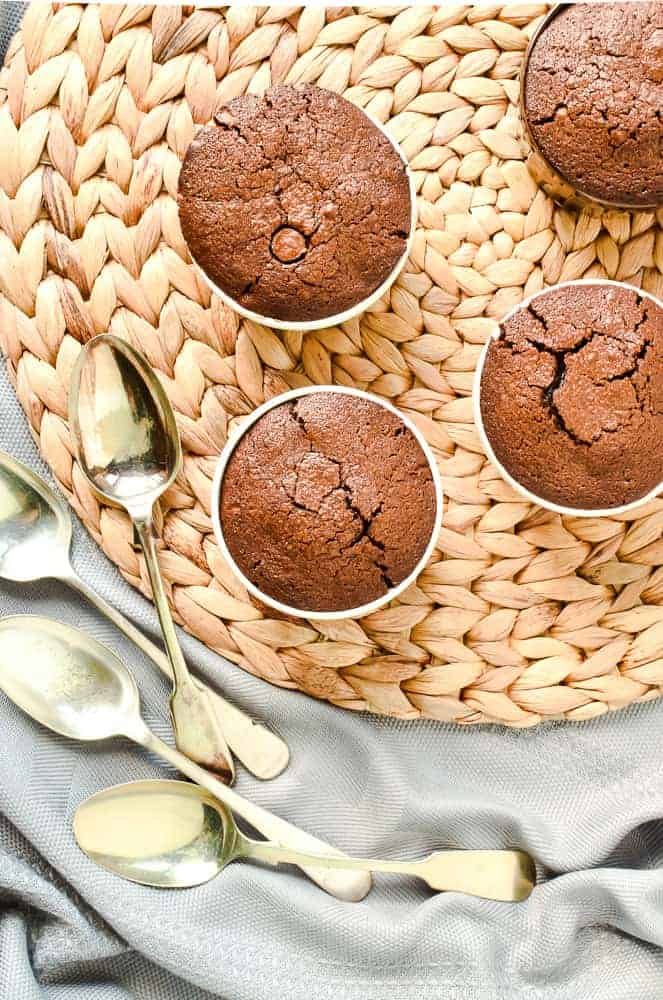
(327, 502)
(572, 395)
(294, 204)
(593, 98)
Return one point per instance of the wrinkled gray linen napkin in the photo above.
(585, 799)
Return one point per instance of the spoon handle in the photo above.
(179, 670)
(342, 884)
(508, 876)
(197, 730)
(261, 751)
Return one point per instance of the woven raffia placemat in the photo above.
(521, 614)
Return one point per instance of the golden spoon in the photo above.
(128, 446)
(73, 685)
(170, 834)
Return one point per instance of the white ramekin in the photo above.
(478, 419)
(224, 458)
(338, 318)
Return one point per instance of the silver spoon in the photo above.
(73, 685)
(35, 538)
(170, 834)
(128, 446)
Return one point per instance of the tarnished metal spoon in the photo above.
(72, 684)
(35, 537)
(128, 446)
(172, 835)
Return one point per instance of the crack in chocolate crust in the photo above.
(572, 395)
(305, 160)
(366, 523)
(561, 361)
(593, 99)
(333, 496)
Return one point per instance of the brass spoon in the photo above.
(73, 685)
(35, 537)
(128, 446)
(170, 834)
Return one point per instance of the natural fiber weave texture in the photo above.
(521, 614)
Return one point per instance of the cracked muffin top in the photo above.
(294, 204)
(593, 99)
(572, 395)
(327, 502)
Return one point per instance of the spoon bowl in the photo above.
(35, 530)
(64, 679)
(167, 834)
(123, 424)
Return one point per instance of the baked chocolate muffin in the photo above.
(294, 204)
(572, 395)
(327, 502)
(593, 98)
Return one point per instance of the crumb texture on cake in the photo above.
(327, 502)
(294, 203)
(594, 99)
(572, 395)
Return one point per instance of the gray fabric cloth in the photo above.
(585, 799)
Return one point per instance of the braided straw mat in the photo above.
(521, 614)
